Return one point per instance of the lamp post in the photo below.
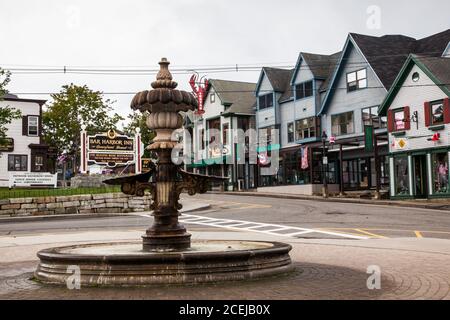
(324, 165)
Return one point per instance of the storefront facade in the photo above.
(418, 111)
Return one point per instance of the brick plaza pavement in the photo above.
(325, 269)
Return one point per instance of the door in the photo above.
(420, 167)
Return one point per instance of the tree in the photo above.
(7, 114)
(138, 120)
(72, 107)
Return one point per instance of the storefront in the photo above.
(421, 174)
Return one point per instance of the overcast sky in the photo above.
(190, 33)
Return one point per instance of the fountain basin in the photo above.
(126, 264)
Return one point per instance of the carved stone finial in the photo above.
(164, 77)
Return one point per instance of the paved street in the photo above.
(333, 245)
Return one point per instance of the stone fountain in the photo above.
(166, 254)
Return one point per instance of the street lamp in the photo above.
(324, 165)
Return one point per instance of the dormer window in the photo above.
(266, 101)
(304, 90)
(357, 80)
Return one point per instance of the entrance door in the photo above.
(420, 169)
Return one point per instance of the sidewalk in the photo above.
(435, 204)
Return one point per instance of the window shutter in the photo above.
(24, 125)
(446, 111)
(427, 110)
(407, 118)
(40, 126)
(390, 118)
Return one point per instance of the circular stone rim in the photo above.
(167, 268)
(53, 254)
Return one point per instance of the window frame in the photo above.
(435, 103)
(357, 80)
(341, 114)
(291, 138)
(394, 112)
(22, 156)
(310, 128)
(303, 90)
(29, 126)
(380, 125)
(266, 100)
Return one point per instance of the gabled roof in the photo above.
(387, 54)
(321, 66)
(278, 78)
(436, 68)
(238, 95)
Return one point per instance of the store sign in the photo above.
(111, 142)
(32, 179)
(110, 159)
(7, 145)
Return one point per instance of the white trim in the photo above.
(447, 49)
(392, 176)
(430, 175)
(410, 173)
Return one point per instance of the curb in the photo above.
(442, 207)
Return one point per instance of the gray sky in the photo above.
(190, 33)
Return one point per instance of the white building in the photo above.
(418, 111)
(24, 151)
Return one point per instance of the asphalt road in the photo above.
(327, 217)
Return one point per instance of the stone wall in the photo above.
(95, 203)
(90, 181)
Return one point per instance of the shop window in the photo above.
(305, 128)
(440, 172)
(17, 162)
(401, 176)
(342, 124)
(290, 132)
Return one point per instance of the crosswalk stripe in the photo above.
(240, 225)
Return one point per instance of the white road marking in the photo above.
(238, 225)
